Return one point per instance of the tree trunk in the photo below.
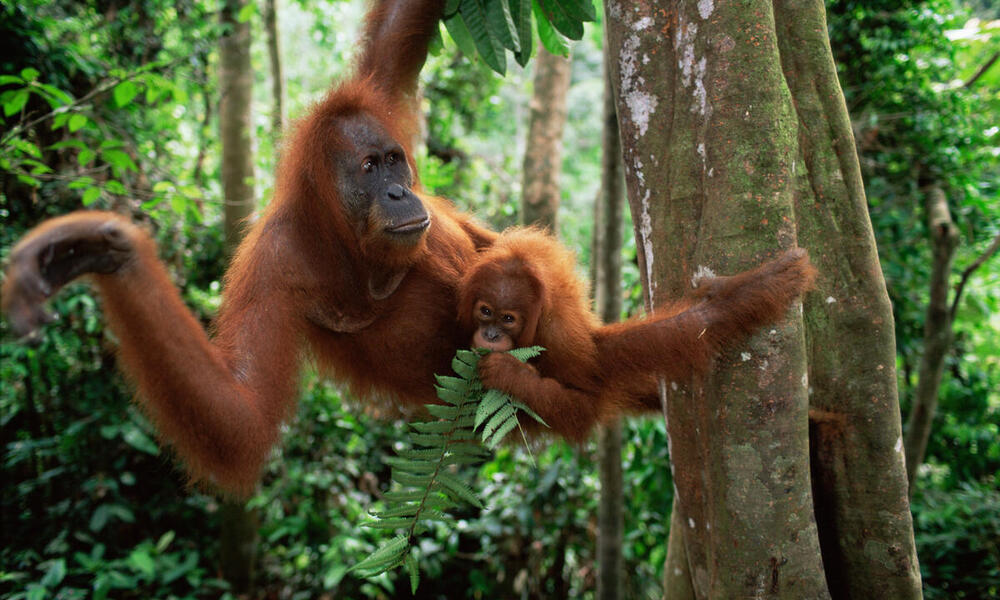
(737, 145)
(937, 331)
(858, 471)
(236, 90)
(238, 543)
(607, 260)
(543, 154)
(277, 79)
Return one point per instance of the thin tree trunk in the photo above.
(277, 79)
(238, 547)
(543, 154)
(607, 260)
(937, 330)
(737, 144)
(236, 90)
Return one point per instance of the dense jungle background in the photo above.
(113, 104)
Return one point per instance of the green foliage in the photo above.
(958, 541)
(907, 70)
(492, 27)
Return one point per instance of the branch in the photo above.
(982, 70)
(163, 66)
(985, 256)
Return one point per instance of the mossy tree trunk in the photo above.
(788, 458)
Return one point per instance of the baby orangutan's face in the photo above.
(497, 328)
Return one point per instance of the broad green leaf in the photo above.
(76, 121)
(29, 74)
(551, 39)
(81, 182)
(136, 438)
(501, 24)
(15, 102)
(563, 22)
(247, 12)
(119, 159)
(55, 573)
(124, 92)
(115, 187)
(100, 517)
(85, 157)
(141, 561)
(521, 11)
(60, 120)
(490, 48)
(581, 10)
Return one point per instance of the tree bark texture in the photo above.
(274, 55)
(238, 537)
(236, 89)
(858, 469)
(607, 259)
(937, 330)
(543, 154)
(737, 145)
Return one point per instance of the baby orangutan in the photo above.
(524, 291)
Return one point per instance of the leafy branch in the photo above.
(427, 483)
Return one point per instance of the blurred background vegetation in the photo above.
(113, 104)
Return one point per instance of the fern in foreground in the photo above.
(426, 485)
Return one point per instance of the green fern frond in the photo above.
(499, 418)
(434, 427)
(460, 489)
(409, 465)
(410, 562)
(426, 484)
(491, 402)
(456, 384)
(527, 410)
(527, 353)
(501, 432)
(389, 554)
(443, 411)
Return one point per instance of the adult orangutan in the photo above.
(348, 260)
(524, 291)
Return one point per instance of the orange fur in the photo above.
(590, 373)
(374, 312)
